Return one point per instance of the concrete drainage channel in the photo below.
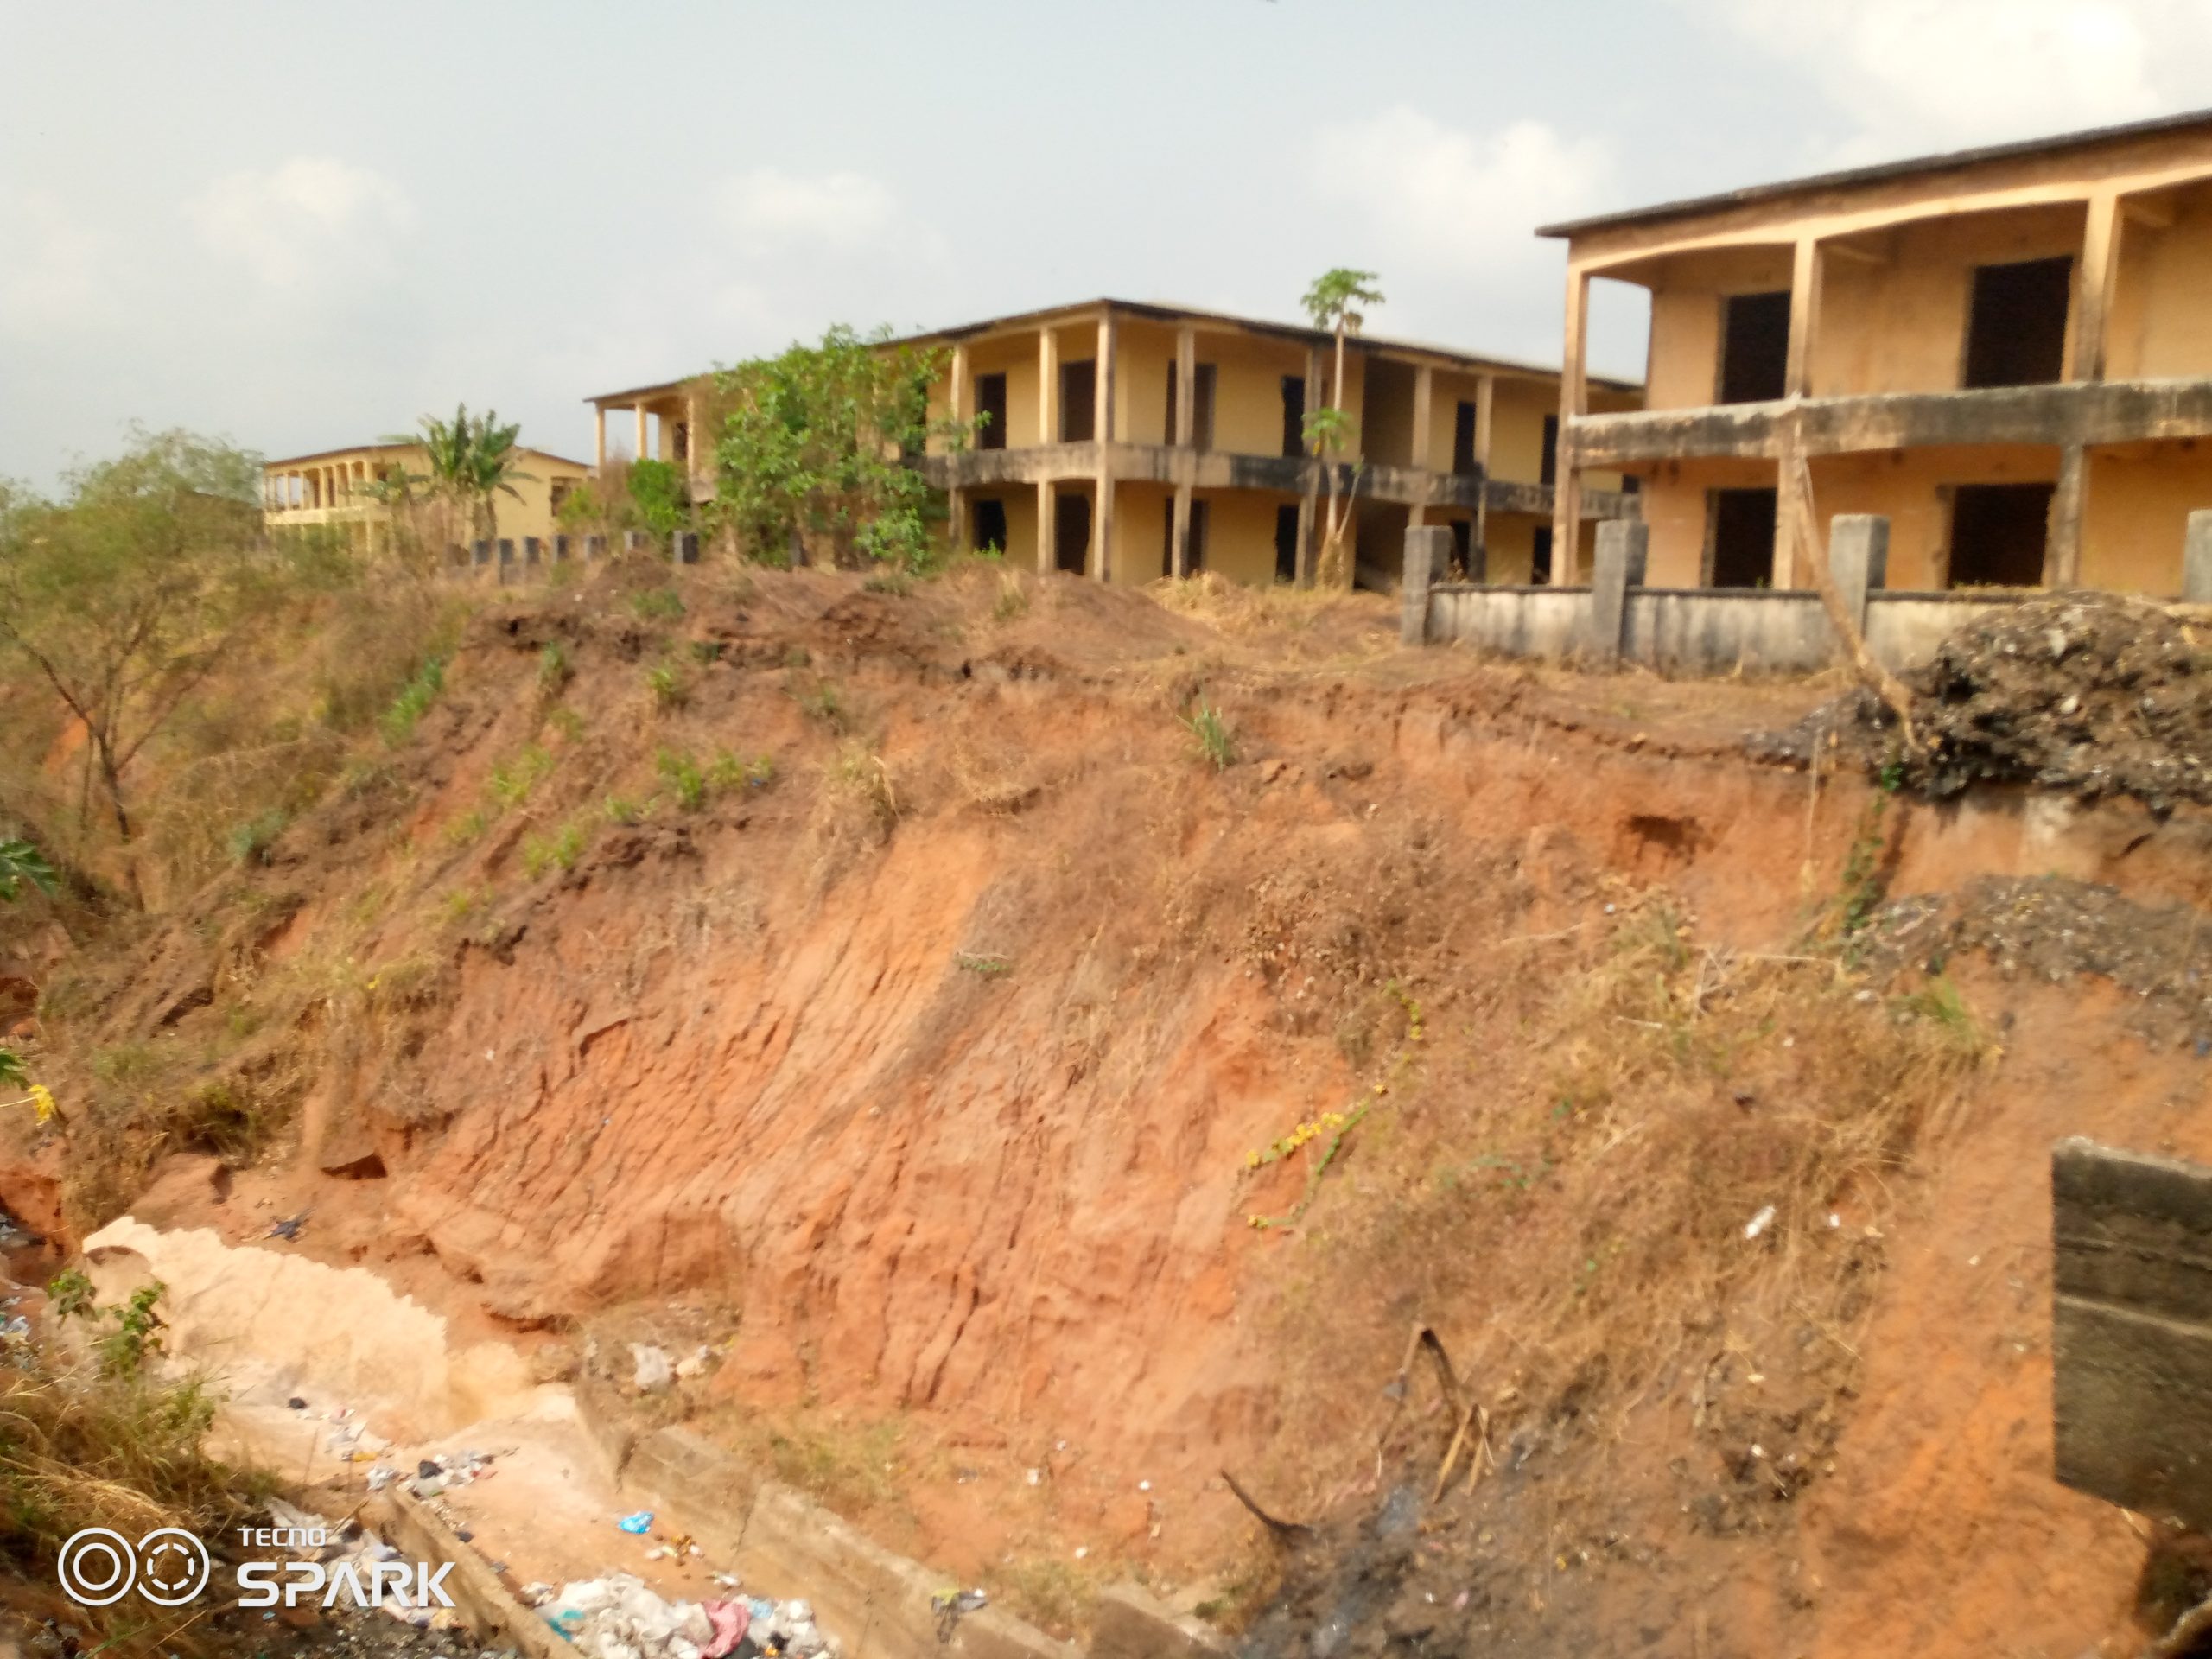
(236, 1311)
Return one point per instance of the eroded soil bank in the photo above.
(1032, 1118)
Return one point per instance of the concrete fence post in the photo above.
(2196, 560)
(1858, 560)
(1622, 546)
(560, 549)
(687, 547)
(594, 549)
(634, 541)
(532, 549)
(1428, 555)
(480, 552)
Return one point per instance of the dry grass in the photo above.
(1572, 1201)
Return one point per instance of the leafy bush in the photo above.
(661, 495)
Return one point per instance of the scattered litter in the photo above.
(639, 1522)
(381, 1477)
(535, 1593)
(950, 1606)
(1144, 1485)
(653, 1373)
(296, 1403)
(730, 1620)
(1082, 1550)
(1036, 1477)
(1834, 1220)
(1758, 1224)
(695, 1364)
(290, 1227)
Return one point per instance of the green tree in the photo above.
(1333, 303)
(472, 461)
(814, 447)
(124, 593)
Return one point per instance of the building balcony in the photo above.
(2066, 414)
(1212, 469)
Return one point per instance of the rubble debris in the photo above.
(653, 1372)
(617, 1617)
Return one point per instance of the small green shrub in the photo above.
(540, 852)
(727, 772)
(685, 775)
(569, 723)
(822, 702)
(667, 685)
(895, 583)
(249, 843)
(1209, 732)
(464, 902)
(620, 808)
(512, 780)
(658, 605)
(414, 701)
(554, 668)
(707, 652)
(469, 826)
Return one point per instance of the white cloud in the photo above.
(1470, 200)
(1915, 75)
(768, 207)
(312, 220)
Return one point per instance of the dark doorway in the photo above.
(679, 441)
(1293, 414)
(1079, 401)
(1540, 557)
(1463, 539)
(1547, 469)
(990, 524)
(1286, 538)
(1463, 438)
(2016, 332)
(1999, 533)
(1202, 407)
(990, 404)
(1754, 347)
(1071, 531)
(1743, 538)
(1197, 540)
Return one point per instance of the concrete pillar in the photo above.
(1573, 401)
(560, 549)
(1048, 528)
(1423, 454)
(956, 391)
(1789, 511)
(1048, 387)
(1622, 545)
(1804, 316)
(480, 552)
(686, 546)
(641, 455)
(598, 438)
(1102, 510)
(1478, 550)
(1309, 506)
(594, 549)
(2061, 560)
(1858, 560)
(1187, 388)
(532, 549)
(634, 541)
(2196, 560)
(955, 519)
(1181, 533)
(2094, 274)
(1428, 556)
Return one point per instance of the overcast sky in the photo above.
(302, 225)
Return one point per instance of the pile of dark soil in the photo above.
(2092, 694)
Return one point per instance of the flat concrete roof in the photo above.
(1158, 311)
(2090, 138)
(386, 448)
(1164, 313)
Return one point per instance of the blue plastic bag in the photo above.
(641, 1521)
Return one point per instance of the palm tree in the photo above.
(1330, 303)
(472, 461)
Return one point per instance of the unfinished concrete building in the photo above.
(2005, 352)
(1130, 442)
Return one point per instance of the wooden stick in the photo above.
(1284, 1531)
(1806, 526)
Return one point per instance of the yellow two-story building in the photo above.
(1130, 442)
(332, 487)
(2005, 352)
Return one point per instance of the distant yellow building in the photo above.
(1131, 441)
(331, 487)
(2007, 352)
